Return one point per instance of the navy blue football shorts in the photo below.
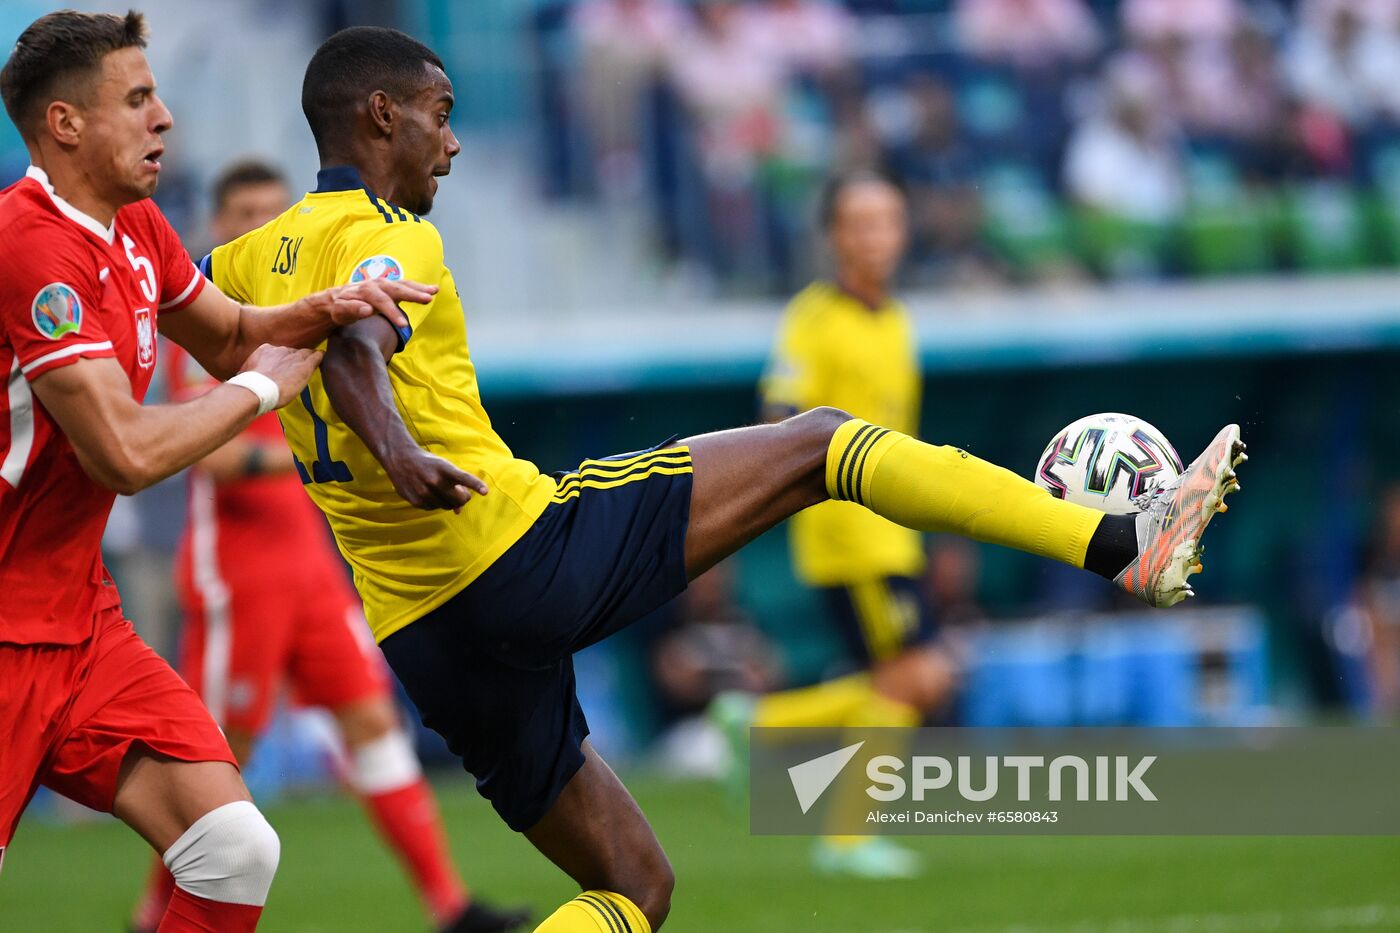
(491, 670)
(880, 618)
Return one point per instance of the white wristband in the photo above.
(263, 387)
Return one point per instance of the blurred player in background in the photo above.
(481, 586)
(266, 601)
(850, 344)
(87, 708)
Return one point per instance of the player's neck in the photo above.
(70, 183)
(872, 294)
(377, 181)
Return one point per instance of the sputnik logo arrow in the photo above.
(811, 778)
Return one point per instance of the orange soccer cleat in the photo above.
(1174, 517)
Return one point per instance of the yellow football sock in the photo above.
(596, 912)
(943, 489)
(831, 703)
(850, 804)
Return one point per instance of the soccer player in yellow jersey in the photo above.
(266, 605)
(850, 344)
(481, 576)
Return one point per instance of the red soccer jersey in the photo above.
(74, 290)
(258, 531)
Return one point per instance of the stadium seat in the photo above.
(1024, 219)
(1120, 248)
(1326, 226)
(1382, 202)
(1227, 229)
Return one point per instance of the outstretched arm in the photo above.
(220, 333)
(127, 446)
(356, 378)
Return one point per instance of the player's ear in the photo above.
(381, 112)
(64, 122)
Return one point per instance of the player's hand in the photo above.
(427, 481)
(347, 304)
(290, 369)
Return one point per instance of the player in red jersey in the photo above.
(86, 708)
(266, 600)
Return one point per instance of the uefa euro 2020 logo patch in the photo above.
(377, 267)
(57, 311)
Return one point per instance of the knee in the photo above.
(923, 679)
(654, 895)
(937, 680)
(229, 855)
(383, 763)
(366, 722)
(820, 422)
(643, 877)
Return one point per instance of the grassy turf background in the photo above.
(335, 877)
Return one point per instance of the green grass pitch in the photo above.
(335, 877)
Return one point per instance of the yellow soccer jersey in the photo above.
(834, 350)
(406, 561)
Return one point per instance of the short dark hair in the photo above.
(831, 191)
(57, 48)
(244, 174)
(351, 65)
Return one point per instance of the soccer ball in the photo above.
(1106, 461)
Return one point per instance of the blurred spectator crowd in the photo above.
(1040, 140)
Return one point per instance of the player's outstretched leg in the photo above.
(219, 848)
(596, 833)
(749, 479)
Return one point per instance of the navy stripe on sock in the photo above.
(859, 468)
(616, 912)
(599, 906)
(867, 437)
(845, 455)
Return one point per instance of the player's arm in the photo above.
(220, 333)
(127, 446)
(356, 378)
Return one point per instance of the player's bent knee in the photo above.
(655, 898)
(923, 679)
(366, 721)
(384, 764)
(647, 880)
(822, 421)
(229, 855)
(936, 677)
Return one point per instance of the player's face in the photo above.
(425, 144)
(122, 122)
(247, 208)
(869, 230)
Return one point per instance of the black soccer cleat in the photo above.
(480, 917)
